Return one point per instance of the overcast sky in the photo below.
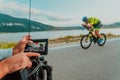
(63, 12)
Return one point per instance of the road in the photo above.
(95, 63)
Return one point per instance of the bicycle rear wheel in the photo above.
(104, 40)
(85, 42)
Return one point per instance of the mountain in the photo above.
(12, 24)
(113, 25)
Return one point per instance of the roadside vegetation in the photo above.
(4, 45)
(69, 39)
(61, 40)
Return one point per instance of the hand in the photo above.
(19, 48)
(89, 26)
(84, 24)
(18, 61)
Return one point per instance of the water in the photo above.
(12, 37)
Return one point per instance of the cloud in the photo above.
(67, 23)
(13, 8)
(37, 13)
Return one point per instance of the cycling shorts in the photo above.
(97, 26)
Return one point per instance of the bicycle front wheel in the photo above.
(85, 42)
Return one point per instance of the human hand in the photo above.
(18, 61)
(89, 26)
(19, 48)
(84, 24)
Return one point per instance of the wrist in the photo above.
(3, 69)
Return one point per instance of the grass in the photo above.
(5, 45)
(66, 40)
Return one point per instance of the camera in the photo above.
(39, 45)
(40, 69)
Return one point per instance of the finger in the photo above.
(29, 37)
(31, 54)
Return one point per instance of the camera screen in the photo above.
(39, 46)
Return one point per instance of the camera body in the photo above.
(39, 45)
(40, 69)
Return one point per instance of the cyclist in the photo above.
(95, 23)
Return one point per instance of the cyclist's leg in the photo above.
(97, 29)
(97, 32)
(100, 40)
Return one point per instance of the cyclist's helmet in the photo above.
(84, 18)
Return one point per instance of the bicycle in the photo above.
(87, 39)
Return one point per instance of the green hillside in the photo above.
(12, 24)
(114, 25)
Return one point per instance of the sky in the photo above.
(63, 12)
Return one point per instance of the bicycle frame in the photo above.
(91, 35)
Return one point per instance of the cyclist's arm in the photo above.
(89, 25)
(84, 25)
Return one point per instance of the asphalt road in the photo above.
(95, 63)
